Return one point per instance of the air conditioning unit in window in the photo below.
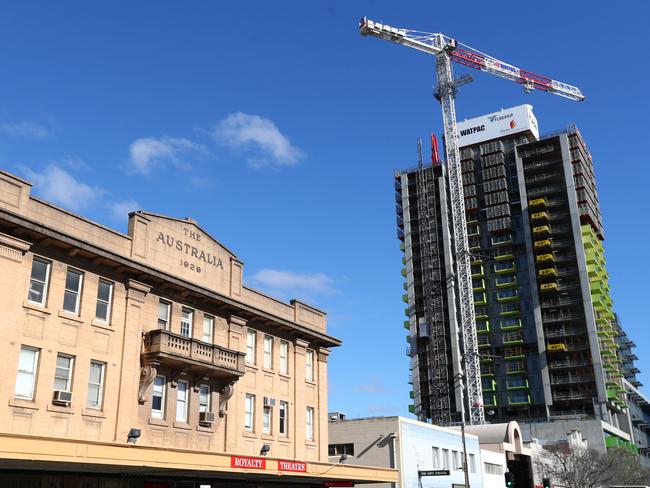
(269, 402)
(62, 398)
(206, 418)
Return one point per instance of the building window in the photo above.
(208, 328)
(204, 398)
(181, 401)
(510, 322)
(72, 292)
(491, 468)
(187, 316)
(26, 375)
(507, 279)
(266, 420)
(340, 449)
(284, 357)
(472, 463)
(38, 281)
(310, 424)
(251, 346)
(268, 352)
(104, 298)
(455, 459)
(158, 398)
(445, 459)
(507, 293)
(309, 365)
(95, 384)
(164, 310)
(283, 427)
(436, 458)
(249, 413)
(63, 373)
(504, 266)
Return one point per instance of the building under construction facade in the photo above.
(546, 330)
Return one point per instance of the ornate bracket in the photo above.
(147, 374)
(199, 380)
(175, 374)
(224, 395)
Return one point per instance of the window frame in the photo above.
(77, 293)
(283, 416)
(309, 424)
(249, 414)
(267, 420)
(184, 402)
(100, 385)
(204, 337)
(159, 413)
(190, 322)
(268, 354)
(70, 370)
(309, 365)
(46, 283)
(109, 303)
(167, 321)
(205, 399)
(33, 374)
(251, 347)
(284, 357)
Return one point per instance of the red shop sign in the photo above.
(247, 462)
(294, 466)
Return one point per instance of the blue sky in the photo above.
(278, 127)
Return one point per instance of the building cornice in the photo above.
(143, 273)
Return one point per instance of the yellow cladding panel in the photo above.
(536, 202)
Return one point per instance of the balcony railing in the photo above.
(167, 347)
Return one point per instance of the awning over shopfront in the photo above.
(18, 452)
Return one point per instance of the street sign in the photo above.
(434, 472)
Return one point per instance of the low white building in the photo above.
(412, 447)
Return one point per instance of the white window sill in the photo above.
(159, 422)
(36, 306)
(23, 403)
(93, 412)
(102, 325)
(99, 323)
(58, 409)
(64, 314)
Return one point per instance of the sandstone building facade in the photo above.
(108, 335)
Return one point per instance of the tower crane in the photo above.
(446, 50)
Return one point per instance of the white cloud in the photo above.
(259, 136)
(147, 153)
(26, 129)
(373, 386)
(56, 185)
(293, 284)
(120, 209)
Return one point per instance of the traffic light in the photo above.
(510, 479)
(546, 482)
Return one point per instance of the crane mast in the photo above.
(446, 50)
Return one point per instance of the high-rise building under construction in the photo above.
(545, 325)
